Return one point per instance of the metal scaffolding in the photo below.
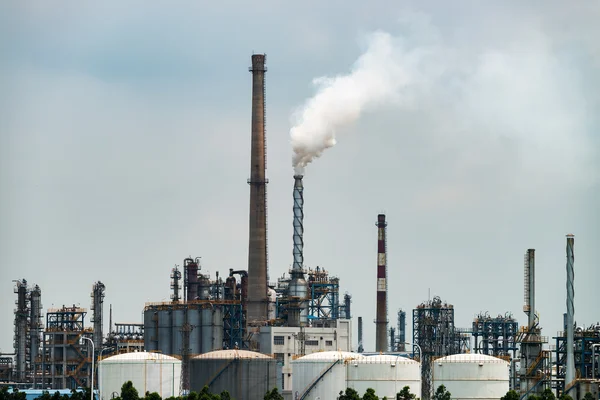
(97, 307)
(495, 336)
(66, 361)
(324, 295)
(586, 346)
(434, 332)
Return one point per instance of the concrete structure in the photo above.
(246, 375)
(257, 240)
(472, 376)
(386, 374)
(149, 372)
(286, 343)
(321, 375)
(381, 320)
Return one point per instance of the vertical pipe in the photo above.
(297, 288)
(381, 321)
(360, 335)
(570, 370)
(257, 242)
(531, 286)
(298, 223)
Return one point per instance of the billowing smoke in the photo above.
(503, 95)
(378, 76)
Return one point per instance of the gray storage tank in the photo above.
(246, 375)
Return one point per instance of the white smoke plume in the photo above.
(472, 89)
(376, 78)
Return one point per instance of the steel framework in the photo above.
(324, 295)
(66, 361)
(585, 366)
(434, 332)
(495, 335)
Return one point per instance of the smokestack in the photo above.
(530, 287)
(98, 307)
(570, 371)
(257, 246)
(360, 336)
(297, 288)
(381, 321)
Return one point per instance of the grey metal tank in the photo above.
(246, 375)
(165, 328)
(212, 329)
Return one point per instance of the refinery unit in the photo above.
(241, 333)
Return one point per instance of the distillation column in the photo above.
(381, 321)
(257, 246)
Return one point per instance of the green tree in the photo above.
(370, 395)
(533, 397)
(405, 394)
(128, 392)
(225, 395)
(510, 395)
(273, 395)
(548, 395)
(152, 396)
(588, 396)
(442, 394)
(565, 397)
(350, 394)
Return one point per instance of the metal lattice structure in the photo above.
(586, 347)
(435, 333)
(400, 339)
(28, 327)
(66, 361)
(495, 336)
(324, 295)
(233, 326)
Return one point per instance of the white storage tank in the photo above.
(246, 375)
(471, 376)
(386, 374)
(326, 370)
(149, 372)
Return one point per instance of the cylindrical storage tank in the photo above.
(212, 329)
(271, 312)
(176, 330)
(164, 332)
(326, 370)
(246, 375)
(194, 318)
(471, 376)
(386, 374)
(149, 372)
(150, 329)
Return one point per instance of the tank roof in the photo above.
(330, 355)
(229, 354)
(386, 358)
(470, 357)
(139, 356)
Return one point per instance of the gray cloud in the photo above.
(124, 137)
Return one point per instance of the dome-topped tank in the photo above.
(246, 375)
(471, 376)
(149, 372)
(386, 374)
(321, 375)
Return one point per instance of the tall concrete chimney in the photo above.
(257, 246)
(570, 371)
(381, 321)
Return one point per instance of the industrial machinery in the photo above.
(495, 336)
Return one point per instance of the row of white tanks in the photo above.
(248, 375)
(466, 376)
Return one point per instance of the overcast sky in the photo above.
(125, 147)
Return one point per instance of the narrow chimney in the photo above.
(297, 288)
(570, 371)
(381, 321)
(257, 246)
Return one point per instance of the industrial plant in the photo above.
(237, 331)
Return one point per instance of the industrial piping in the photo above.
(570, 371)
(381, 321)
(257, 241)
(298, 289)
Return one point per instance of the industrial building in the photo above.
(242, 333)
